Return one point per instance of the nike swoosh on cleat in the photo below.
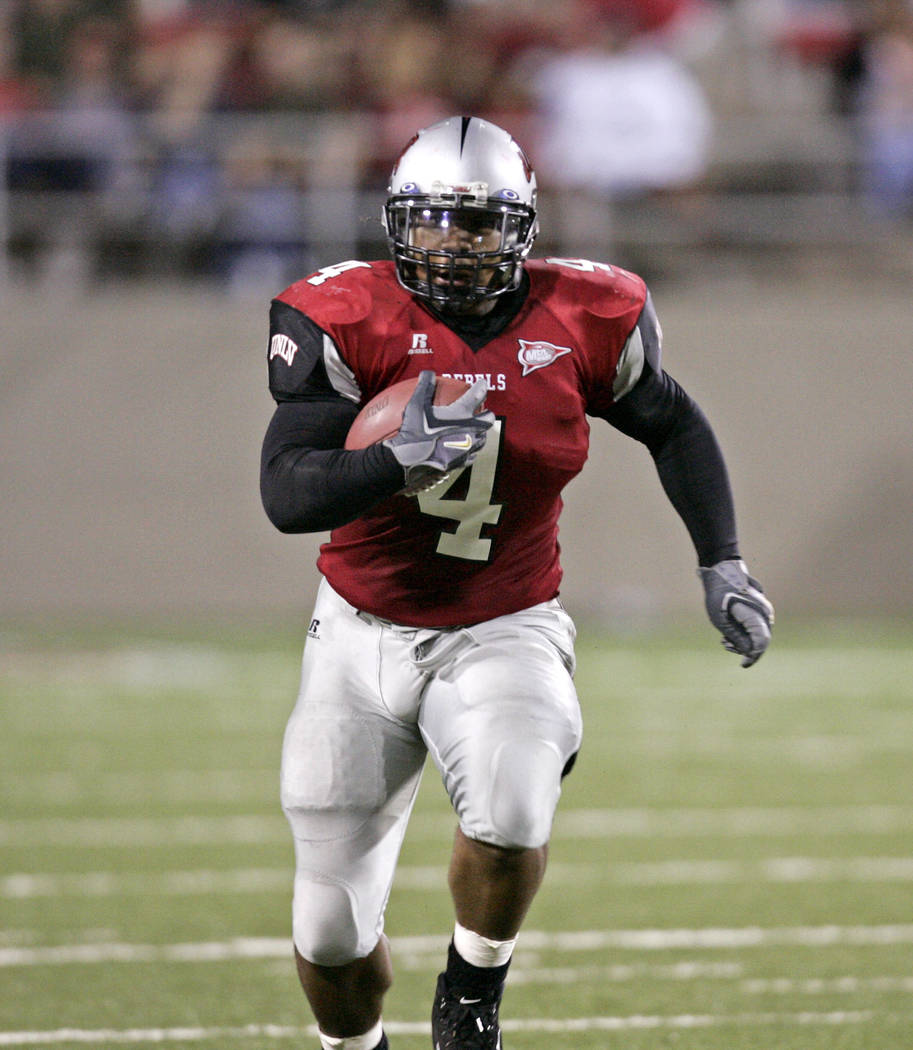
(465, 442)
(468, 1002)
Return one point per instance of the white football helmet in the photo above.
(460, 214)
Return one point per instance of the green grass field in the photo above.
(732, 864)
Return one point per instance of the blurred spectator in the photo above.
(17, 93)
(262, 228)
(180, 58)
(67, 57)
(91, 117)
(304, 62)
(409, 78)
(182, 54)
(224, 200)
(41, 31)
(185, 191)
(885, 110)
(502, 45)
(815, 31)
(656, 17)
(620, 119)
(403, 73)
(76, 141)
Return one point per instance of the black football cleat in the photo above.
(464, 1022)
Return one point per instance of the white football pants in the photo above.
(495, 706)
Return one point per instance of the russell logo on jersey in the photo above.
(420, 344)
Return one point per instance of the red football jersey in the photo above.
(484, 543)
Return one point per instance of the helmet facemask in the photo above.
(457, 252)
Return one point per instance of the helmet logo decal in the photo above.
(536, 353)
(406, 149)
(527, 167)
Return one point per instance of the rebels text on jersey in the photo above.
(485, 542)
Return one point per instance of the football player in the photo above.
(438, 628)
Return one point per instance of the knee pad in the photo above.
(324, 924)
(525, 785)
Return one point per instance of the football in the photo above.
(382, 416)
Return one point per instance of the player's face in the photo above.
(458, 235)
(456, 231)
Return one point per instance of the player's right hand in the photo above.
(436, 439)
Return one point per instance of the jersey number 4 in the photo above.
(471, 512)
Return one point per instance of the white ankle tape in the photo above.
(353, 1042)
(481, 951)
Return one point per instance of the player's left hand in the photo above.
(738, 608)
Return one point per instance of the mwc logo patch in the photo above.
(536, 353)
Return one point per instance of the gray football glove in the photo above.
(738, 608)
(436, 439)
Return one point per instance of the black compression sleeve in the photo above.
(308, 482)
(659, 413)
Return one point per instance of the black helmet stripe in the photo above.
(464, 131)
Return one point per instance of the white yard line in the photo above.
(201, 881)
(620, 972)
(730, 822)
(124, 884)
(733, 821)
(412, 948)
(182, 786)
(101, 1036)
(825, 985)
(130, 832)
(199, 952)
(715, 937)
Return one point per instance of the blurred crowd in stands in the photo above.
(204, 121)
